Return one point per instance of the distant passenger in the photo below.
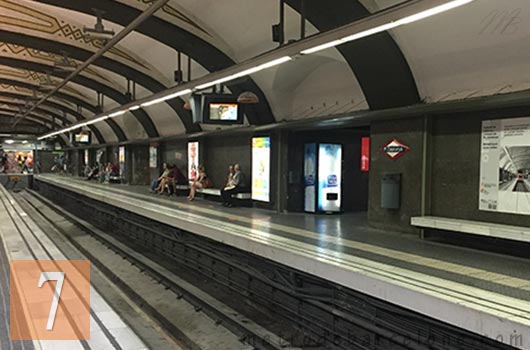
(238, 185)
(93, 173)
(229, 180)
(156, 183)
(170, 182)
(202, 181)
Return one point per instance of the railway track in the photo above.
(223, 319)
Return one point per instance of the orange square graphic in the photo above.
(49, 300)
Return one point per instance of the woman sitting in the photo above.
(200, 182)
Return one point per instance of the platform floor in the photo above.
(22, 239)
(483, 292)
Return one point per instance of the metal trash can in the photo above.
(391, 191)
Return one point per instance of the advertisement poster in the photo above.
(121, 160)
(329, 177)
(505, 166)
(310, 161)
(153, 157)
(193, 159)
(261, 164)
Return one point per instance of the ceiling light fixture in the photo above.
(165, 98)
(245, 72)
(377, 23)
(390, 25)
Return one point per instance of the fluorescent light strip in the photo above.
(244, 73)
(165, 98)
(115, 114)
(391, 25)
(134, 108)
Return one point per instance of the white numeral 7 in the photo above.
(53, 276)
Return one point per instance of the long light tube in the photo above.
(165, 98)
(391, 25)
(244, 72)
(289, 56)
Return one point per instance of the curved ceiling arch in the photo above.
(182, 40)
(379, 64)
(52, 114)
(104, 62)
(63, 96)
(81, 80)
(7, 113)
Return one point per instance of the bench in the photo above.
(217, 193)
(515, 233)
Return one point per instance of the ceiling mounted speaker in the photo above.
(247, 97)
(187, 106)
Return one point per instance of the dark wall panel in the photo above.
(456, 172)
(409, 132)
(218, 153)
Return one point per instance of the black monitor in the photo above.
(216, 109)
(83, 137)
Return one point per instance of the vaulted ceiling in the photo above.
(476, 50)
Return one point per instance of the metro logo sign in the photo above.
(395, 149)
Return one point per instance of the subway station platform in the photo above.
(485, 293)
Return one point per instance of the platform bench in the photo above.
(515, 233)
(217, 193)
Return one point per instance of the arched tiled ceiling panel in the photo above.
(177, 29)
(32, 120)
(381, 68)
(27, 88)
(52, 33)
(51, 108)
(36, 65)
(479, 49)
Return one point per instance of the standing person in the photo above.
(201, 181)
(239, 185)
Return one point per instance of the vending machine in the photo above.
(322, 177)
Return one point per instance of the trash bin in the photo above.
(391, 191)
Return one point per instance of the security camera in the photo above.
(95, 34)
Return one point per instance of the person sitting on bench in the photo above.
(202, 181)
(238, 185)
(155, 185)
(174, 177)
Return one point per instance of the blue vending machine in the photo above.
(322, 177)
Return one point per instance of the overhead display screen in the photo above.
(223, 111)
(82, 137)
(329, 177)
(261, 160)
(193, 160)
(505, 166)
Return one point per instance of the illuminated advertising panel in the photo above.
(121, 160)
(86, 157)
(261, 162)
(310, 161)
(329, 177)
(153, 157)
(193, 160)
